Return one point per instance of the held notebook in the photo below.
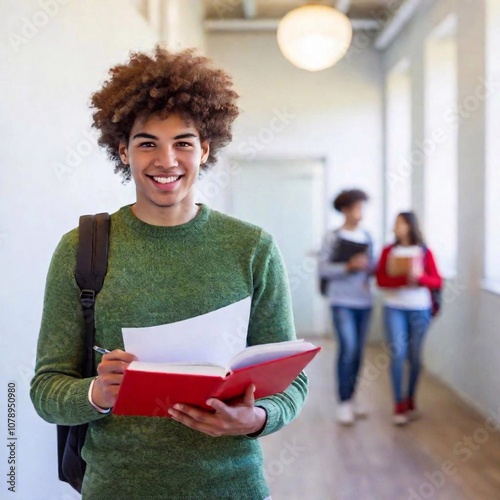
(151, 388)
(345, 249)
(403, 260)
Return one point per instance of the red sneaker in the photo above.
(411, 409)
(400, 417)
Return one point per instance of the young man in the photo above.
(162, 119)
(350, 298)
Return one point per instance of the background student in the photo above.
(407, 307)
(347, 288)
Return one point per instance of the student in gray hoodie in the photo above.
(348, 290)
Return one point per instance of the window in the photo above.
(492, 198)
(440, 146)
(398, 142)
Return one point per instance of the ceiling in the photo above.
(378, 10)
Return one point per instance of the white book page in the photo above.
(190, 368)
(410, 251)
(212, 338)
(257, 354)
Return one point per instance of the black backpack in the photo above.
(436, 296)
(91, 267)
(323, 282)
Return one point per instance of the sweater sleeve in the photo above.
(326, 268)
(271, 320)
(431, 277)
(58, 391)
(383, 279)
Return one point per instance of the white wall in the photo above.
(397, 176)
(462, 347)
(52, 171)
(441, 148)
(492, 267)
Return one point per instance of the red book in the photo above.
(151, 389)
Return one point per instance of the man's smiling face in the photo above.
(164, 158)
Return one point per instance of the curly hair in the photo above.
(167, 82)
(348, 198)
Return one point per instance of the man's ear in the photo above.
(123, 152)
(205, 147)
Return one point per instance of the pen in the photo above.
(101, 350)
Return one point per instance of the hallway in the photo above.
(448, 454)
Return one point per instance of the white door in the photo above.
(285, 199)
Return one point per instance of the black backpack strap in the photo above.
(91, 267)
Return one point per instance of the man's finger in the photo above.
(195, 413)
(113, 366)
(119, 355)
(249, 398)
(184, 418)
(220, 407)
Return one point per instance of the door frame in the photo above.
(321, 311)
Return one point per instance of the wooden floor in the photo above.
(314, 458)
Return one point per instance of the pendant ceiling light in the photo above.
(314, 37)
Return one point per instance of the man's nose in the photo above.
(167, 157)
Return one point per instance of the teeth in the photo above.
(166, 180)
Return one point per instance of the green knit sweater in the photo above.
(159, 275)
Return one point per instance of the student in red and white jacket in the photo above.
(407, 309)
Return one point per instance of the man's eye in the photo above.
(184, 144)
(146, 144)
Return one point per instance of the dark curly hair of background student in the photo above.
(161, 84)
(348, 198)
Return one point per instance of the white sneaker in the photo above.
(345, 413)
(400, 419)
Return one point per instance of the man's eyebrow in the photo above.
(187, 135)
(144, 135)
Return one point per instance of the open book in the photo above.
(151, 388)
(252, 355)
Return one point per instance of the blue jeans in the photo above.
(405, 335)
(351, 326)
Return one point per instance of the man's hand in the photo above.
(110, 371)
(228, 420)
(358, 262)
